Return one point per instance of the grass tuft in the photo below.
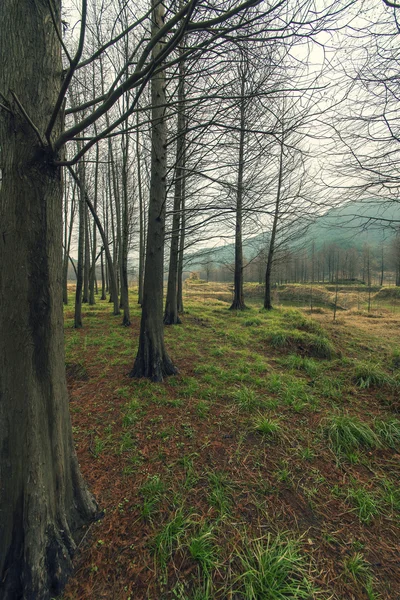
(370, 375)
(346, 433)
(267, 427)
(365, 504)
(388, 432)
(274, 569)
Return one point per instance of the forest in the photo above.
(199, 300)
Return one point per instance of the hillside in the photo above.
(351, 225)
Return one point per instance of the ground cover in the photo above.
(267, 469)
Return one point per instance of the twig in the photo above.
(58, 32)
(28, 119)
(5, 108)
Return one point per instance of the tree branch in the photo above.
(69, 74)
(28, 119)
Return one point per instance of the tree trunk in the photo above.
(103, 279)
(113, 281)
(181, 250)
(171, 306)
(271, 250)
(152, 359)
(92, 279)
(81, 242)
(124, 241)
(238, 298)
(141, 216)
(86, 263)
(43, 499)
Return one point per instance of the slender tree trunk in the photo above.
(86, 262)
(92, 279)
(103, 279)
(81, 242)
(238, 298)
(43, 499)
(141, 217)
(152, 359)
(124, 242)
(113, 281)
(171, 316)
(181, 251)
(271, 250)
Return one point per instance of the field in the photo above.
(267, 469)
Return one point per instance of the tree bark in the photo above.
(43, 499)
(238, 298)
(81, 242)
(142, 248)
(271, 249)
(124, 240)
(171, 316)
(152, 359)
(181, 249)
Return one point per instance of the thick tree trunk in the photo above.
(152, 359)
(181, 251)
(43, 499)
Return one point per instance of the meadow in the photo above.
(267, 469)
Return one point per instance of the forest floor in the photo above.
(267, 469)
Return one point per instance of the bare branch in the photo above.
(28, 119)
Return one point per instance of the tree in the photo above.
(43, 499)
(152, 359)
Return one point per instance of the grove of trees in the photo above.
(125, 126)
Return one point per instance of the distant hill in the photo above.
(356, 223)
(350, 226)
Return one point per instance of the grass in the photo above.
(274, 569)
(269, 428)
(151, 492)
(368, 375)
(347, 433)
(366, 506)
(228, 481)
(203, 549)
(167, 539)
(246, 399)
(388, 431)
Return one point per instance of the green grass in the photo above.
(203, 548)
(356, 567)
(370, 375)
(246, 399)
(388, 431)
(247, 436)
(346, 434)
(151, 492)
(166, 540)
(269, 428)
(220, 496)
(366, 505)
(274, 569)
(307, 344)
